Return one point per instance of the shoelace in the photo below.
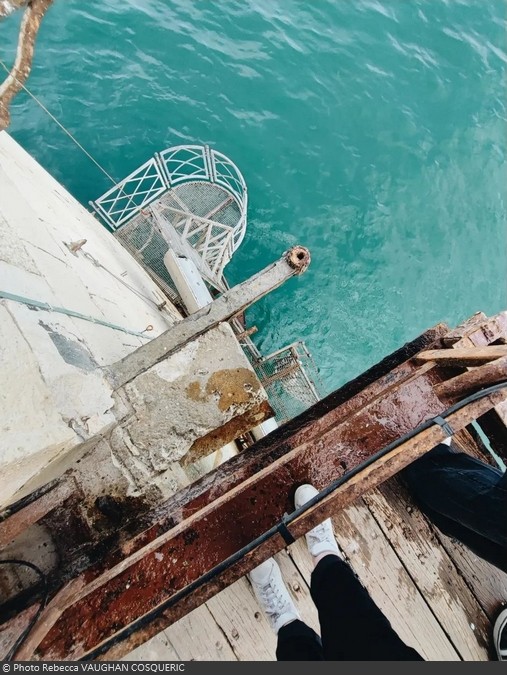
(320, 532)
(273, 596)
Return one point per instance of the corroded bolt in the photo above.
(298, 257)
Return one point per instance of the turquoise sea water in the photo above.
(372, 132)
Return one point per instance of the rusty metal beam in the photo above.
(213, 519)
(228, 305)
(97, 609)
(313, 422)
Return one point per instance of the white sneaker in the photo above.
(272, 594)
(321, 538)
(500, 635)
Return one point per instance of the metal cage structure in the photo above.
(291, 380)
(189, 197)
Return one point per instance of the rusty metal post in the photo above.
(233, 302)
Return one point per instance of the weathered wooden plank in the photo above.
(379, 569)
(118, 591)
(472, 380)
(156, 649)
(479, 330)
(474, 356)
(236, 611)
(224, 308)
(488, 583)
(238, 614)
(434, 573)
(16, 523)
(197, 637)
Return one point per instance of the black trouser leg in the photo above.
(298, 642)
(352, 626)
(465, 498)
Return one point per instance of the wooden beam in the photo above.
(474, 356)
(19, 521)
(472, 380)
(228, 305)
(479, 334)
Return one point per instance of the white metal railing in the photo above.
(126, 199)
(213, 241)
(185, 163)
(171, 167)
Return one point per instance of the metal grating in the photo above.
(143, 240)
(291, 380)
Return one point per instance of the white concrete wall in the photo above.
(52, 396)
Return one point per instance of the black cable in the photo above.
(12, 651)
(8, 511)
(282, 526)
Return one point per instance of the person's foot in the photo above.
(272, 594)
(320, 540)
(500, 635)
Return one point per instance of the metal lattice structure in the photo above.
(290, 379)
(190, 198)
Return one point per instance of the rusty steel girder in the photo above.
(211, 533)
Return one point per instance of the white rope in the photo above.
(66, 131)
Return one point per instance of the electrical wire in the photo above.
(12, 651)
(233, 559)
(16, 506)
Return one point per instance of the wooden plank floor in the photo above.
(438, 596)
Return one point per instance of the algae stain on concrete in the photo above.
(195, 393)
(234, 387)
